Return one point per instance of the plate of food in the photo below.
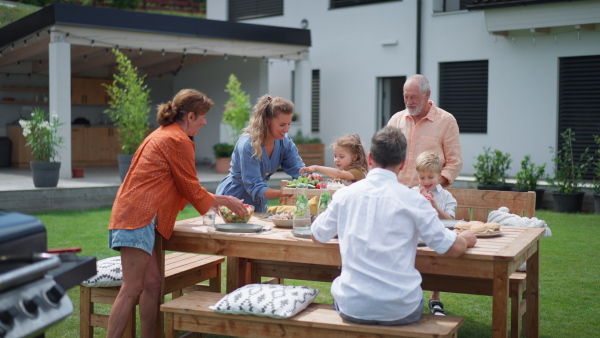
(480, 229)
(450, 223)
(238, 227)
(284, 219)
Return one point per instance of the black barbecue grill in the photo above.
(34, 281)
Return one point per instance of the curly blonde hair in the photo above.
(354, 145)
(265, 109)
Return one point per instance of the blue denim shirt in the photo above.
(248, 176)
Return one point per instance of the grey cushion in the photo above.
(269, 300)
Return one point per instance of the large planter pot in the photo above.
(567, 202)
(124, 164)
(597, 203)
(222, 165)
(539, 197)
(45, 174)
(500, 187)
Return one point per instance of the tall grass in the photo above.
(569, 265)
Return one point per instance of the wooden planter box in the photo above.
(312, 153)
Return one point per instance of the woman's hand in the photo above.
(236, 205)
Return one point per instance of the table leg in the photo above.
(237, 273)
(500, 300)
(532, 296)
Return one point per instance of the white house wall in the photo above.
(211, 78)
(347, 48)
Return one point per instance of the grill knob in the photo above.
(7, 317)
(33, 305)
(55, 294)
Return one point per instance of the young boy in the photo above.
(429, 168)
(378, 222)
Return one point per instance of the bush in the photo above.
(491, 167)
(223, 150)
(529, 175)
(568, 172)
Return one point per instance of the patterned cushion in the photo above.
(269, 300)
(108, 273)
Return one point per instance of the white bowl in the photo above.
(284, 223)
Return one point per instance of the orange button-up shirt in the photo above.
(162, 179)
(438, 133)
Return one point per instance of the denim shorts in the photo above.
(141, 238)
(411, 318)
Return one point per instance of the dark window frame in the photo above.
(579, 103)
(463, 92)
(315, 101)
(252, 9)
(335, 4)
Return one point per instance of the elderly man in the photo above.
(427, 128)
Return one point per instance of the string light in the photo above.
(163, 52)
(140, 51)
(225, 57)
(25, 42)
(92, 43)
(204, 53)
(245, 58)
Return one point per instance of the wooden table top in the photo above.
(513, 243)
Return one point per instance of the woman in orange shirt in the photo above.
(161, 181)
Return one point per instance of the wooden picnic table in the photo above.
(494, 258)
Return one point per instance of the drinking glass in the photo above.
(209, 218)
(301, 210)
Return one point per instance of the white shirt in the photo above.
(443, 198)
(378, 221)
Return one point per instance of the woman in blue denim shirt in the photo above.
(260, 151)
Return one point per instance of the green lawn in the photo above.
(569, 269)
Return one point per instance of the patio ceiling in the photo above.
(156, 44)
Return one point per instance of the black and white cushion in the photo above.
(108, 273)
(269, 300)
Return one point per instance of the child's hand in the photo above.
(428, 195)
(315, 176)
(309, 169)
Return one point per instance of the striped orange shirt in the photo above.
(162, 179)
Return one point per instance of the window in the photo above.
(579, 102)
(348, 3)
(464, 93)
(315, 100)
(441, 6)
(251, 9)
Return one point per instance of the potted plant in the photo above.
(311, 150)
(490, 170)
(235, 117)
(596, 182)
(568, 196)
(528, 177)
(222, 152)
(41, 136)
(129, 109)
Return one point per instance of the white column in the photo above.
(60, 95)
(302, 93)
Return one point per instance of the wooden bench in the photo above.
(475, 205)
(191, 313)
(182, 271)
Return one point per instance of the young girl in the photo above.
(349, 158)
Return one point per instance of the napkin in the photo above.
(280, 208)
(313, 203)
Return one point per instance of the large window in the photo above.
(464, 94)
(347, 3)
(250, 9)
(441, 6)
(315, 100)
(579, 102)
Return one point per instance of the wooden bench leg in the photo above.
(86, 308)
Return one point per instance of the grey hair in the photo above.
(424, 86)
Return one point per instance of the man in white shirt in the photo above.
(379, 221)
